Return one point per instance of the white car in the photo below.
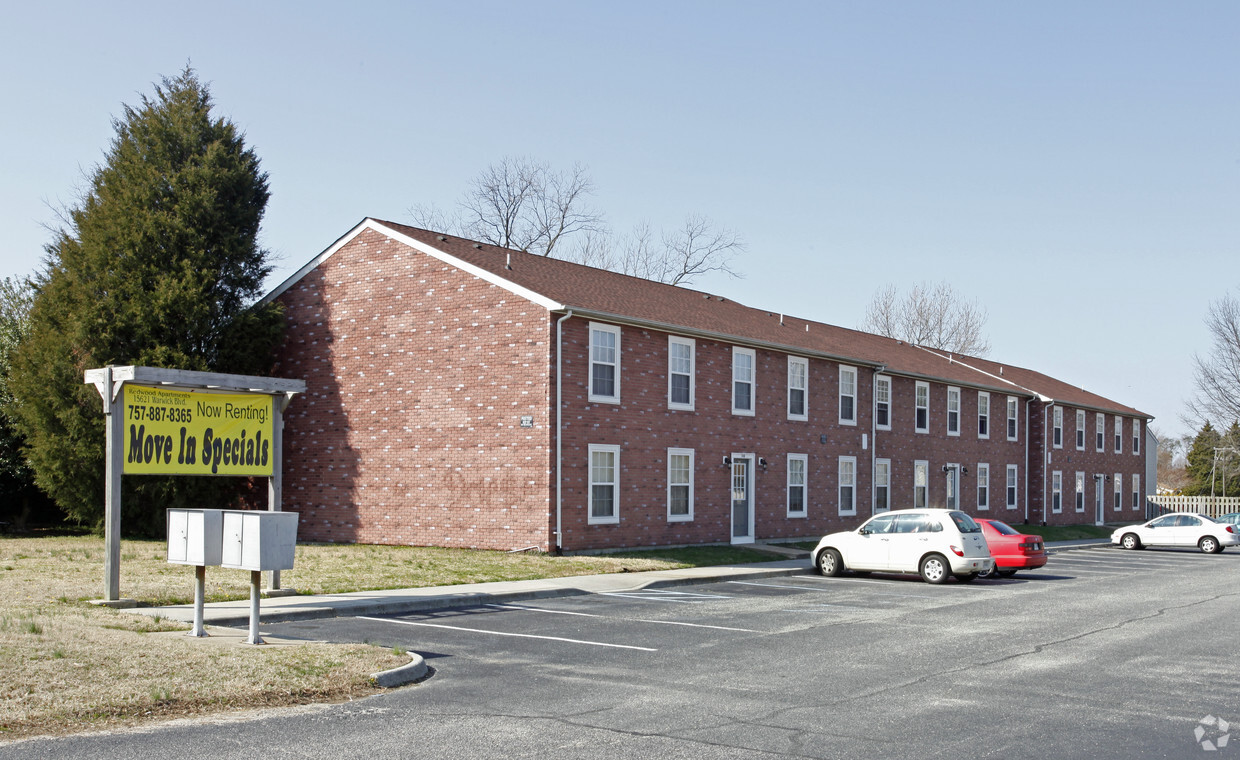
(1178, 529)
(935, 543)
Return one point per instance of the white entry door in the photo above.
(742, 498)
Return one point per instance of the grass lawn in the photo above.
(68, 666)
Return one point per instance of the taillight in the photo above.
(1231, 529)
(957, 550)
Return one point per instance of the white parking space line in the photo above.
(820, 588)
(613, 617)
(513, 635)
(661, 595)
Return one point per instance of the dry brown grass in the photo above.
(69, 666)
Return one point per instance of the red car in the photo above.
(1012, 550)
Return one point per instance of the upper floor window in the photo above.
(796, 484)
(1100, 425)
(983, 414)
(1057, 427)
(882, 403)
(679, 485)
(604, 363)
(680, 372)
(1080, 429)
(848, 395)
(743, 362)
(1013, 430)
(1119, 434)
(1136, 436)
(798, 387)
(922, 419)
(953, 411)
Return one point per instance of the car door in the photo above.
(1159, 532)
(870, 545)
(910, 539)
(1188, 531)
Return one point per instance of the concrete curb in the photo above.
(402, 675)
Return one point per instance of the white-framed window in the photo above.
(848, 485)
(1057, 427)
(983, 414)
(882, 485)
(953, 410)
(681, 372)
(921, 481)
(1136, 491)
(1013, 429)
(921, 421)
(604, 363)
(743, 364)
(1100, 425)
(679, 485)
(1011, 486)
(604, 496)
(798, 388)
(798, 464)
(882, 402)
(983, 486)
(1119, 434)
(1080, 429)
(848, 395)
(1056, 491)
(1136, 436)
(1080, 487)
(1119, 492)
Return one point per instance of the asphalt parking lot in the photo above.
(1102, 653)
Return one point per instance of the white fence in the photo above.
(1203, 505)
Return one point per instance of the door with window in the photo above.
(742, 498)
(1099, 501)
(953, 486)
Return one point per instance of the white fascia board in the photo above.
(371, 224)
(1000, 378)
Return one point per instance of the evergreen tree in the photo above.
(1201, 461)
(159, 266)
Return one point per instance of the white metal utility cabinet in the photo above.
(234, 538)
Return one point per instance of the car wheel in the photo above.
(934, 568)
(1209, 545)
(829, 563)
(1130, 541)
(967, 577)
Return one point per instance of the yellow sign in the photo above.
(171, 432)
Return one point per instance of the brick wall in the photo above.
(417, 378)
(1069, 460)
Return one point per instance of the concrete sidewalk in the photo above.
(396, 601)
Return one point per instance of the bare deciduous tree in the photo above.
(1217, 375)
(522, 204)
(932, 316)
(519, 203)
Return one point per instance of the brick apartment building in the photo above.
(460, 394)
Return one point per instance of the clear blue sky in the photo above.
(1075, 166)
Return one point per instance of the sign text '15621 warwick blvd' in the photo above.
(172, 432)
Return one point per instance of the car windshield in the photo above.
(1004, 528)
(965, 523)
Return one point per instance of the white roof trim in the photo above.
(371, 224)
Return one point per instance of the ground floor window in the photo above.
(1056, 492)
(679, 485)
(604, 484)
(1011, 486)
(796, 484)
(983, 486)
(1080, 492)
(921, 478)
(1136, 487)
(848, 485)
(1119, 492)
(882, 485)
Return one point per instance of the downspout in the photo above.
(880, 369)
(1028, 419)
(559, 416)
(1048, 445)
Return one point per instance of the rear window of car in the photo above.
(965, 523)
(1003, 528)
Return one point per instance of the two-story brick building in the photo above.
(459, 394)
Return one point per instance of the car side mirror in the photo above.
(863, 531)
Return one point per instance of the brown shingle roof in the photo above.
(604, 294)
